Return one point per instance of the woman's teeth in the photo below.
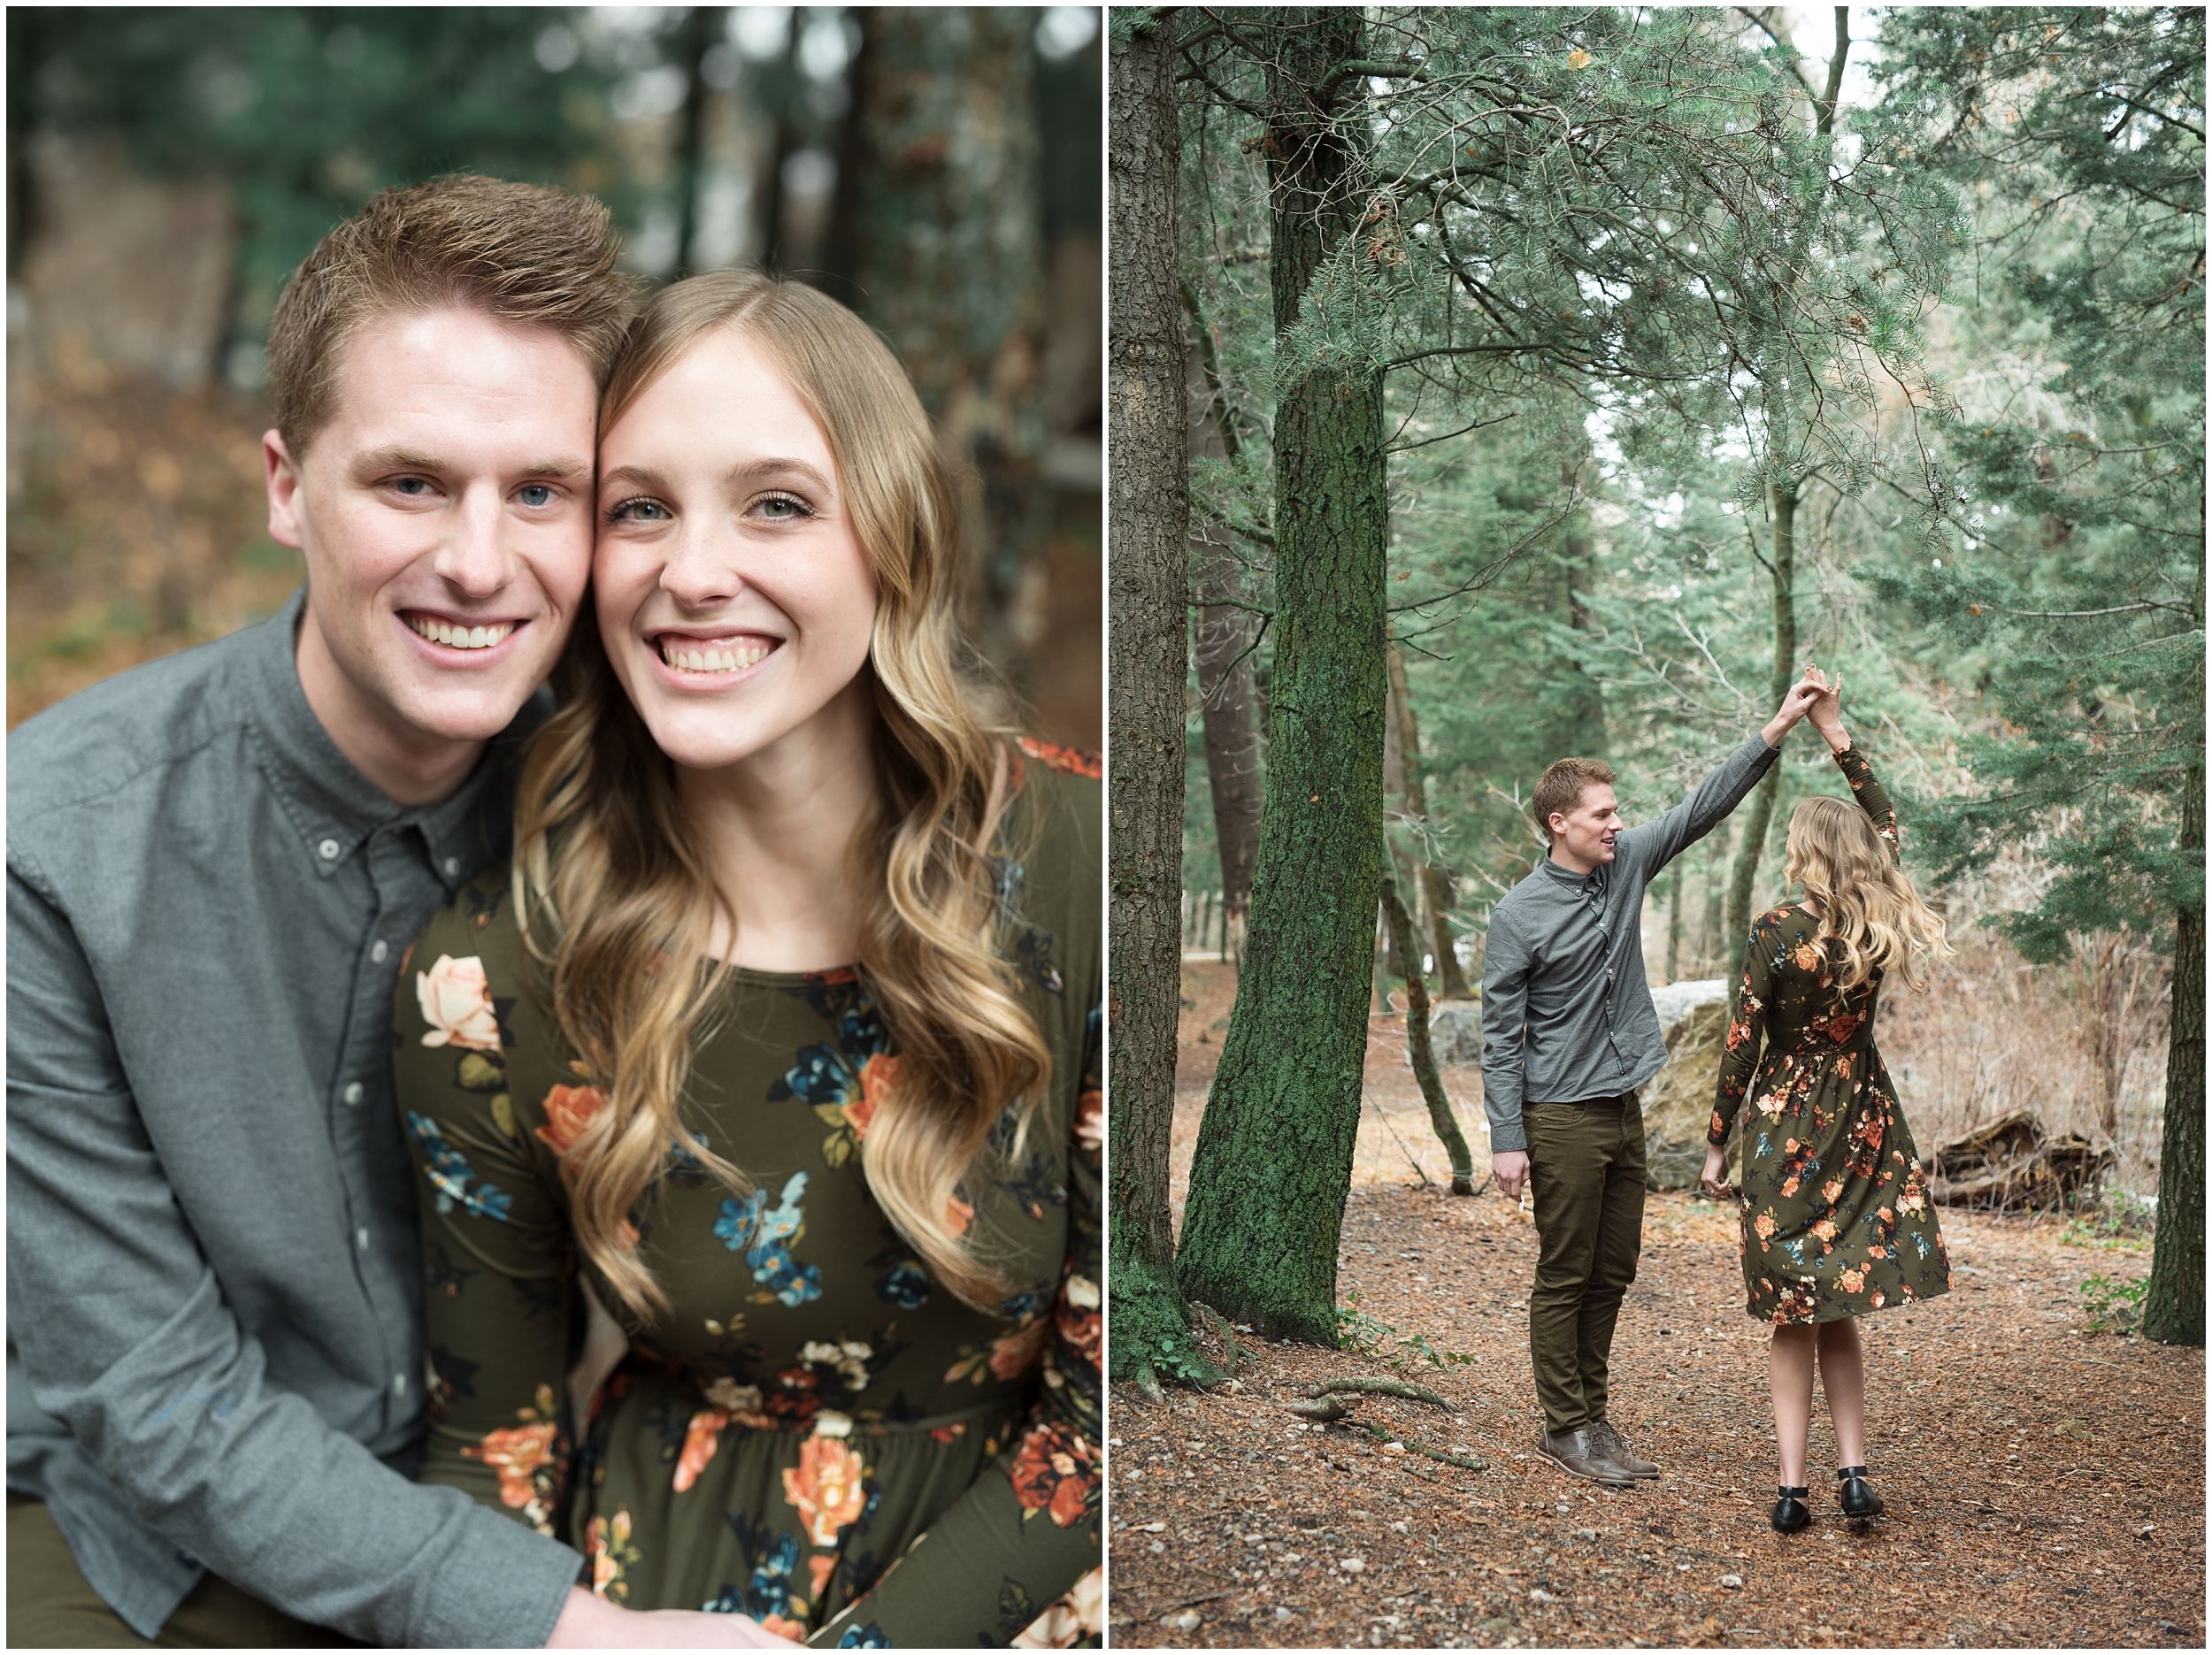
(711, 660)
(460, 637)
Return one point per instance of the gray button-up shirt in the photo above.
(1566, 1012)
(214, 1344)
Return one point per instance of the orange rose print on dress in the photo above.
(822, 1568)
(568, 1111)
(1807, 958)
(1013, 1354)
(518, 1455)
(826, 1488)
(958, 1216)
(1073, 761)
(785, 1628)
(1054, 1473)
(1079, 1612)
(1078, 1319)
(701, 1440)
(878, 1076)
(607, 1543)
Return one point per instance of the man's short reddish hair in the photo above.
(528, 254)
(1561, 787)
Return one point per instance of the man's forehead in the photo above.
(1597, 796)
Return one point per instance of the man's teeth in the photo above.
(460, 637)
(711, 660)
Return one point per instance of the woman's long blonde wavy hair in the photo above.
(616, 899)
(1868, 911)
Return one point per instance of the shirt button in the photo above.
(453, 867)
(399, 1385)
(353, 1092)
(361, 1239)
(329, 849)
(378, 949)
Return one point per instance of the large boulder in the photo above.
(1455, 1031)
(1678, 1101)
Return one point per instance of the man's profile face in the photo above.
(445, 513)
(1586, 833)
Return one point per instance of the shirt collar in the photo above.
(333, 807)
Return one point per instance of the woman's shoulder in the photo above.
(1056, 819)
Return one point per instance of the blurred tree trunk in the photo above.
(1224, 648)
(1148, 518)
(701, 29)
(1273, 1161)
(2173, 1304)
(936, 237)
(1782, 507)
(779, 92)
(1436, 884)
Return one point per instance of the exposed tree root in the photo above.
(1383, 1388)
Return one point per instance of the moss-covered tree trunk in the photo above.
(1147, 513)
(2173, 1307)
(1782, 507)
(1436, 884)
(1274, 1157)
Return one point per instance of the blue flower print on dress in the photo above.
(765, 1233)
(450, 1174)
(868, 1637)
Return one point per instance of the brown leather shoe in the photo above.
(1573, 1452)
(1609, 1441)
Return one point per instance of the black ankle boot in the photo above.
(1856, 1495)
(1791, 1513)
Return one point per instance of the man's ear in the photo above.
(283, 474)
(1558, 824)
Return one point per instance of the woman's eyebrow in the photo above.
(638, 476)
(760, 471)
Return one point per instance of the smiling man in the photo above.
(215, 865)
(1569, 1033)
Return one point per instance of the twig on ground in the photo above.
(1410, 1446)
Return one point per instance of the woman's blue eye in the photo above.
(536, 494)
(639, 510)
(783, 509)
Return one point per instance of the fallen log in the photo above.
(2013, 1164)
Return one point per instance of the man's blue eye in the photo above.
(536, 494)
(412, 487)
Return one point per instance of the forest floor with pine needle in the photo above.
(2045, 1486)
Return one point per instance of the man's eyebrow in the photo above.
(560, 469)
(397, 458)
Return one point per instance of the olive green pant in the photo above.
(1586, 1173)
(50, 1606)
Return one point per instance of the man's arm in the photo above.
(125, 1335)
(1505, 967)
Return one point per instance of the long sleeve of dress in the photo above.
(1019, 1553)
(1873, 799)
(495, 1242)
(1746, 1030)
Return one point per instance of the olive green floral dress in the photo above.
(815, 1433)
(1836, 1219)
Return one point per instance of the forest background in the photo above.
(1559, 380)
(937, 169)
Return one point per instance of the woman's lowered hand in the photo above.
(1714, 1180)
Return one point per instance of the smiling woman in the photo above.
(795, 980)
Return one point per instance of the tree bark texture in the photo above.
(1274, 1156)
(1782, 507)
(938, 242)
(1436, 884)
(2173, 1305)
(1223, 649)
(1148, 518)
(1420, 1054)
